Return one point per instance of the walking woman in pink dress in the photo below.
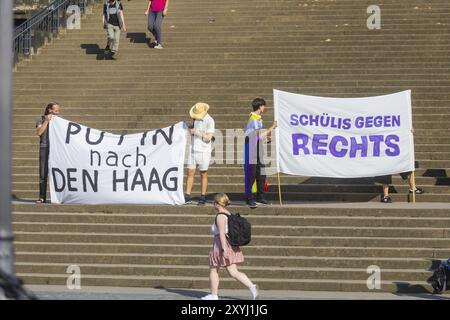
(156, 11)
(223, 254)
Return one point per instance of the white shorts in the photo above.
(200, 159)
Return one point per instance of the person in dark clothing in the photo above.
(42, 123)
(254, 163)
(113, 23)
(387, 180)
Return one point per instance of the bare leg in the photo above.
(190, 181)
(385, 190)
(214, 280)
(239, 276)
(204, 183)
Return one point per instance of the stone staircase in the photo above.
(226, 54)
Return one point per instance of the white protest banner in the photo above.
(89, 166)
(344, 138)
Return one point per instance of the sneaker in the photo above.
(252, 204)
(187, 199)
(202, 201)
(158, 46)
(211, 297)
(263, 201)
(386, 199)
(107, 48)
(112, 55)
(254, 292)
(418, 190)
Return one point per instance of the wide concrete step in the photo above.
(61, 52)
(257, 221)
(201, 271)
(273, 196)
(320, 241)
(227, 283)
(199, 260)
(130, 248)
(86, 58)
(288, 209)
(257, 230)
(289, 186)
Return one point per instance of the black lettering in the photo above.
(88, 133)
(120, 140)
(123, 160)
(144, 135)
(168, 138)
(55, 183)
(116, 181)
(99, 158)
(140, 155)
(138, 180)
(70, 132)
(115, 157)
(174, 180)
(71, 179)
(93, 183)
(154, 178)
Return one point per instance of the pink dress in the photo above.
(216, 258)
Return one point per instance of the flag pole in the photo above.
(279, 188)
(413, 186)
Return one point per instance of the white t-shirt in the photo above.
(206, 125)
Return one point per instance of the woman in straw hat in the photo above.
(223, 254)
(202, 131)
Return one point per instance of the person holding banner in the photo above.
(42, 123)
(387, 180)
(254, 163)
(202, 133)
(222, 254)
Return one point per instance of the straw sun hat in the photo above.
(199, 111)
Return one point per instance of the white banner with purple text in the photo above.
(344, 137)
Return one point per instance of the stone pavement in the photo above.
(45, 292)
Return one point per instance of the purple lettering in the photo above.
(378, 121)
(314, 119)
(317, 143)
(294, 120)
(333, 144)
(376, 144)
(302, 145)
(394, 148)
(355, 146)
(396, 121)
(303, 119)
(347, 124)
(359, 122)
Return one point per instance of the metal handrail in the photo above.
(48, 20)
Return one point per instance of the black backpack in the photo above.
(441, 277)
(239, 230)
